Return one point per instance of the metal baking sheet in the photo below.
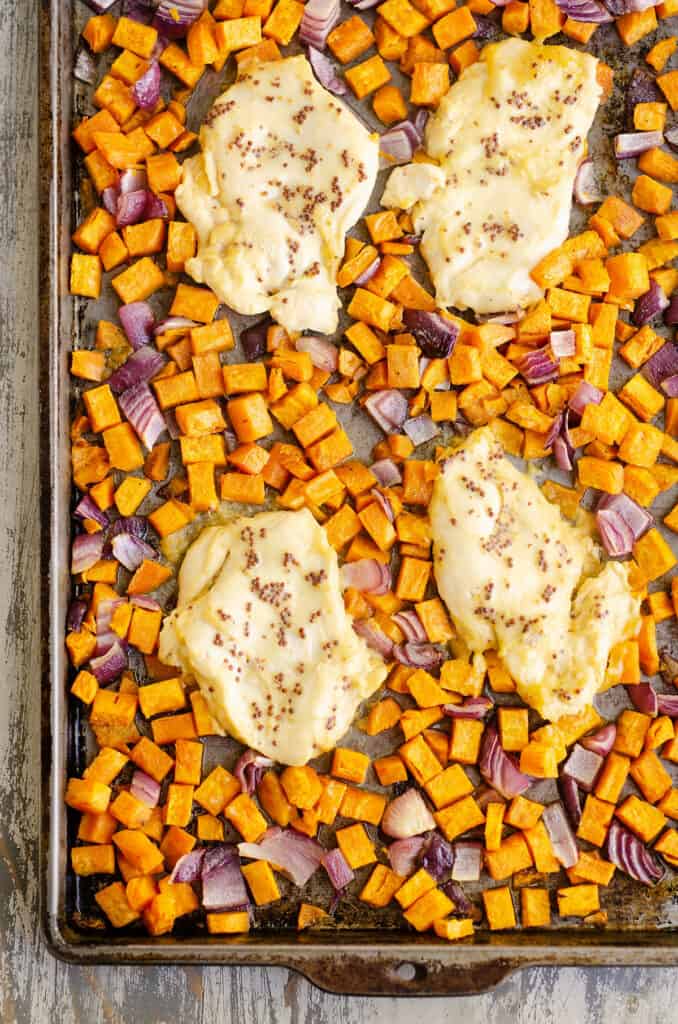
(367, 951)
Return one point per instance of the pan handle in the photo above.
(392, 974)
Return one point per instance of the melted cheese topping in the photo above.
(260, 624)
(285, 170)
(518, 579)
(508, 138)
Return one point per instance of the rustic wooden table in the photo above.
(33, 986)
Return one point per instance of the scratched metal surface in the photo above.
(629, 908)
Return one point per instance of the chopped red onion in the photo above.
(366, 575)
(630, 855)
(537, 367)
(499, 769)
(615, 533)
(138, 320)
(144, 788)
(571, 797)
(630, 145)
(667, 704)
(583, 766)
(563, 344)
(663, 364)
(671, 137)
(397, 145)
(592, 11)
(649, 305)
(144, 601)
(139, 367)
(435, 334)
(131, 207)
(437, 857)
(462, 904)
(318, 20)
(146, 90)
(418, 655)
(643, 697)
(363, 5)
(472, 707)
(486, 27)
(188, 867)
(173, 323)
(105, 636)
(173, 18)
(223, 884)
(562, 454)
(374, 637)
(406, 816)
(322, 352)
(602, 741)
(384, 504)
(134, 179)
(87, 508)
(468, 857)
(130, 551)
(249, 770)
(296, 855)
(337, 868)
(77, 610)
(156, 208)
(253, 339)
(368, 274)
(143, 412)
(585, 187)
(110, 665)
(109, 198)
(421, 429)
(586, 394)
(403, 854)
(411, 625)
(86, 551)
(642, 86)
(326, 73)
(670, 386)
(386, 472)
(621, 522)
(388, 408)
(562, 837)
(137, 525)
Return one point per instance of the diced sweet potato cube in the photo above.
(499, 909)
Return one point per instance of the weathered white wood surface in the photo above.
(34, 987)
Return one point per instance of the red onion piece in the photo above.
(130, 551)
(144, 788)
(630, 145)
(138, 525)
(630, 855)
(131, 208)
(110, 665)
(249, 770)
(322, 352)
(615, 533)
(637, 519)
(296, 855)
(586, 394)
(386, 472)
(642, 86)
(368, 274)
(667, 704)
(562, 837)
(411, 625)
(318, 20)
(173, 323)
(138, 368)
(462, 904)
(583, 766)
(397, 145)
(585, 188)
(435, 334)
(388, 408)
(649, 305)
(173, 18)
(77, 610)
(139, 10)
(472, 707)
(663, 364)
(562, 454)
(223, 884)
(326, 73)
(671, 137)
(187, 868)
(403, 854)
(337, 868)
(374, 638)
(468, 858)
(363, 5)
(421, 429)
(87, 508)
(384, 504)
(437, 857)
(643, 697)
(418, 655)
(86, 551)
(670, 386)
(406, 816)
(105, 636)
(143, 412)
(538, 367)
(146, 90)
(498, 769)
(562, 343)
(602, 741)
(366, 575)
(592, 11)
(571, 797)
(138, 320)
(134, 179)
(109, 198)
(156, 208)
(144, 601)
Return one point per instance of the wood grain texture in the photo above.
(33, 986)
